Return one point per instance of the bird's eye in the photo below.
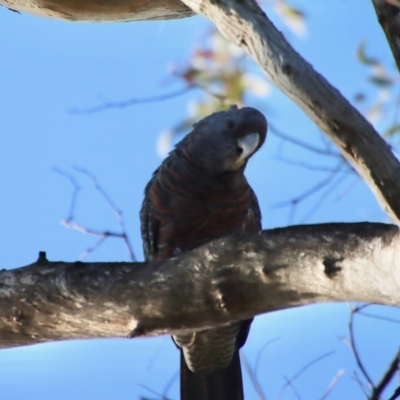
(239, 151)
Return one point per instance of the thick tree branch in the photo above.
(388, 13)
(246, 25)
(101, 10)
(387, 377)
(229, 279)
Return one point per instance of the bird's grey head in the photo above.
(225, 140)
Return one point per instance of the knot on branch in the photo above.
(42, 259)
(331, 267)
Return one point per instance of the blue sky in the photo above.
(48, 68)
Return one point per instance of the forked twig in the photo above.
(293, 203)
(258, 358)
(304, 368)
(70, 222)
(290, 384)
(300, 143)
(253, 378)
(354, 348)
(387, 377)
(373, 392)
(160, 396)
(170, 383)
(361, 384)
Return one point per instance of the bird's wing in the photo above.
(149, 225)
(255, 210)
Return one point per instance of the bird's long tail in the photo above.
(222, 384)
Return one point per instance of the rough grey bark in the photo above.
(229, 279)
(388, 13)
(102, 10)
(246, 25)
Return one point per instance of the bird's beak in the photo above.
(248, 144)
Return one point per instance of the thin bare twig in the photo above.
(74, 196)
(333, 383)
(258, 358)
(350, 186)
(387, 377)
(351, 345)
(160, 396)
(91, 249)
(295, 376)
(70, 222)
(123, 234)
(317, 168)
(334, 184)
(107, 105)
(342, 167)
(311, 191)
(290, 384)
(361, 384)
(219, 96)
(253, 378)
(387, 319)
(396, 394)
(170, 383)
(300, 143)
(354, 348)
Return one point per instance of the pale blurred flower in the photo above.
(164, 143)
(292, 17)
(256, 84)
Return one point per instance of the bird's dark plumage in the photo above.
(199, 193)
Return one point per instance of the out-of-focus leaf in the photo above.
(362, 56)
(218, 68)
(375, 113)
(165, 139)
(382, 80)
(379, 75)
(383, 83)
(255, 84)
(201, 109)
(190, 75)
(202, 53)
(360, 97)
(391, 131)
(292, 17)
(164, 143)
